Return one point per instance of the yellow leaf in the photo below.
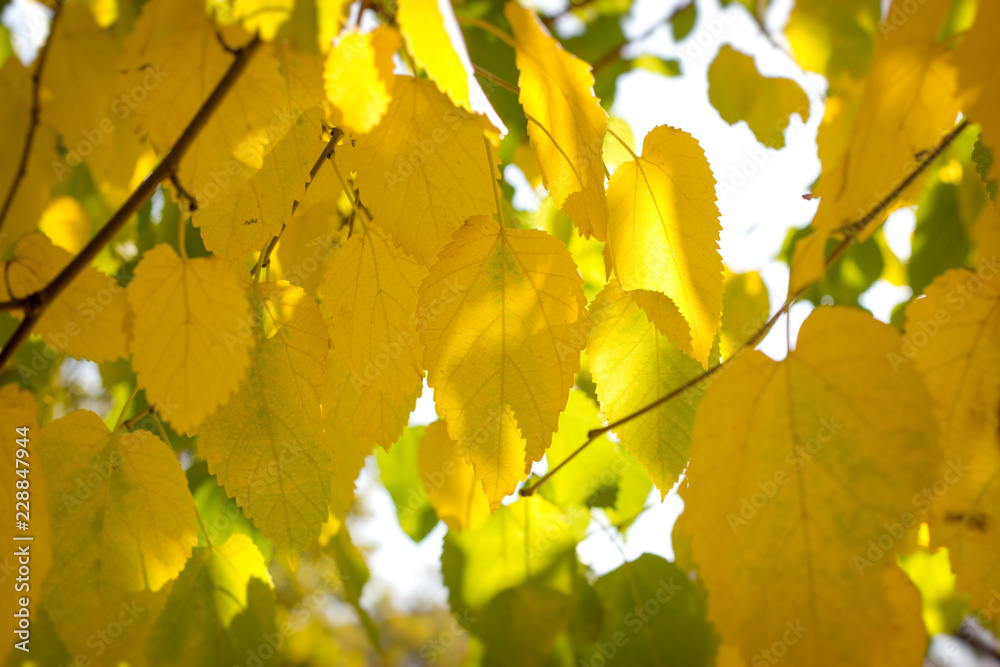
(79, 99)
(746, 307)
(428, 42)
(359, 80)
(663, 236)
(978, 81)
(569, 128)
(423, 171)
(248, 213)
(360, 410)
(633, 365)
(738, 92)
(369, 297)
(315, 233)
(263, 16)
(801, 491)
(87, 319)
(15, 119)
(221, 606)
(66, 223)
(266, 445)
(502, 345)
(22, 474)
(123, 525)
(450, 481)
(175, 56)
(953, 335)
(986, 232)
(909, 103)
(186, 345)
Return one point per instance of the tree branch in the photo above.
(755, 339)
(35, 304)
(36, 109)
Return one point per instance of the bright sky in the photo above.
(765, 201)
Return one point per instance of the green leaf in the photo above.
(220, 608)
(354, 574)
(401, 478)
(683, 21)
(982, 155)
(940, 239)
(653, 615)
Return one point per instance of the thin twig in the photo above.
(36, 109)
(129, 423)
(335, 136)
(754, 340)
(35, 304)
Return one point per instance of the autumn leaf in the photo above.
(358, 77)
(807, 469)
(422, 25)
(979, 84)
(909, 102)
(566, 123)
(123, 526)
(663, 237)
(88, 319)
(266, 445)
(450, 481)
(423, 171)
(186, 347)
(369, 297)
(502, 345)
(951, 337)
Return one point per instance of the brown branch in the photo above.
(36, 112)
(755, 339)
(335, 136)
(35, 304)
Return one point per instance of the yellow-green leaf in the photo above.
(501, 345)
(220, 607)
(663, 236)
(801, 491)
(424, 170)
(123, 525)
(266, 445)
(633, 365)
(739, 92)
(186, 347)
(978, 81)
(566, 124)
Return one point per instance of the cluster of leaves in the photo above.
(268, 228)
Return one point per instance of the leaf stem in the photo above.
(623, 143)
(128, 401)
(349, 191)
(35, 304)
(496, 185)
(490, 28)
(757, 337)
(36, 109)
(493, 78)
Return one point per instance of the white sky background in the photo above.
(755, 220)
